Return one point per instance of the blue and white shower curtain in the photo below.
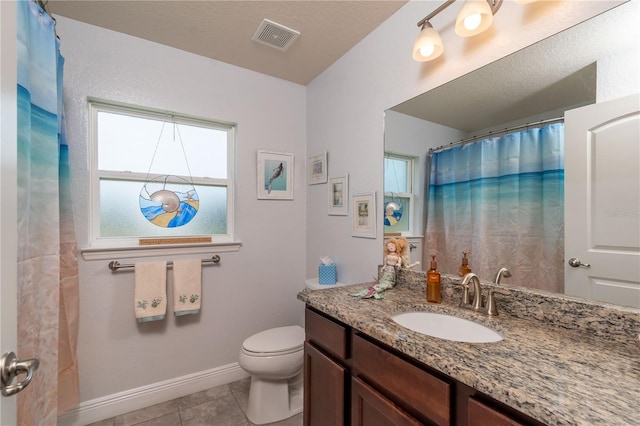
(47, 265)
(502, 199)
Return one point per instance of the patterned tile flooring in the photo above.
(223, 405)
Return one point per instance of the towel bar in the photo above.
(114, 265)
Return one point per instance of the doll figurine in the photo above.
(393, 259)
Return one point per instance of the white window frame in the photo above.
(411, 161)
(106, 247)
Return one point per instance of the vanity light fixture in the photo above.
(474, 17)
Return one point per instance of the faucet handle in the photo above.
(490, 305)
(466, 298)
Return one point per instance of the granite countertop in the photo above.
(549, 371)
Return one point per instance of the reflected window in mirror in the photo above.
(399, 197)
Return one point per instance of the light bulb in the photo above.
(475, 17)
(427, 50)
(428, 44)
(472, 22)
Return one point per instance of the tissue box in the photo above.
(327, 274)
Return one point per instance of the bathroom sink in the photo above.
(447, 327)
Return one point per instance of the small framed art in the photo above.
(275, 175)
(339, 195)
(363, 214)
(318, 169)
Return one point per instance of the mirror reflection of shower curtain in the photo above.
(502, 199)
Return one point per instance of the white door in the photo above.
(8, 215)
(602, 201)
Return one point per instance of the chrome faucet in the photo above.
(477, 292)
(502, 272)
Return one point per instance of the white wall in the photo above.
(253, 289)
(345, 106)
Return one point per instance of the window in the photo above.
(159, 175)
(399, 198)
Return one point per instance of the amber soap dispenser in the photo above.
(465, 268)
(434, 294)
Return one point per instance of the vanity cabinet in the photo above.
(352, 379)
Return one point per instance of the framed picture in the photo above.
(339, 195)
(363, 214)
(275, 176)
(318, 169)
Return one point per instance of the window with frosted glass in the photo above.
(136, 149)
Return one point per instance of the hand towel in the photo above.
(187, 286)
(150, 296)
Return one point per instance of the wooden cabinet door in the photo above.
(324, 384)
(370, 408)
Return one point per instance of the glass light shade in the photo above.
(428, 45)
(467, 24)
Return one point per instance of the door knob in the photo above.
(575, 262)
(11, 367)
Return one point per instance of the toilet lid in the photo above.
(278, 339)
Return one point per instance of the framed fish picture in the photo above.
(275, 175)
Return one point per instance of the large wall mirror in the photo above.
(594, 61)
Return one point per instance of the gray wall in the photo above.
(254, 288)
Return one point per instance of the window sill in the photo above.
(113, 253)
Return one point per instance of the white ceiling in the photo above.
(222, 30)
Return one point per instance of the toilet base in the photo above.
(274, 400)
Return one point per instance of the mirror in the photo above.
(576, 67)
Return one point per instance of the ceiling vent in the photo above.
(275, 35)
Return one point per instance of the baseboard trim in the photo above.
(134, 399)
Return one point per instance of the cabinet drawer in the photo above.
(327, 334)
(402, 381)
(483, 415)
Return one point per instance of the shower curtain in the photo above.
(47, 265)
(502, 200)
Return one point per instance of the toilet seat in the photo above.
(275, 341)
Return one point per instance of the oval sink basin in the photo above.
(447, 327)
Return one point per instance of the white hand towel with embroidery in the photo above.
(187, 286)
(150, 295)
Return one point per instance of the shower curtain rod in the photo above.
(497, 133)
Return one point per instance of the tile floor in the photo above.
(223, 405)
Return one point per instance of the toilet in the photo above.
(274, 359)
